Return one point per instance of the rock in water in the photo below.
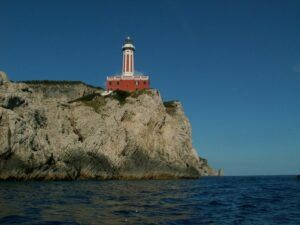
(122, 136)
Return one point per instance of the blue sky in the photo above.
(234, 65)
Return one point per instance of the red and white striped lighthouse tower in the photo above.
(128, 80)
(128, 58)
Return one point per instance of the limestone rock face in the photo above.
(53, 136)
(3, 78)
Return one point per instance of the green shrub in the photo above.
(137, 93)
(170, 106)
(85, 98)
(59, 82)
(120, 95)
(94, 100)
(14, 102)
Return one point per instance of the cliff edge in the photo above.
(67, 130)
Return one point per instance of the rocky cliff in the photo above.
(69, 131)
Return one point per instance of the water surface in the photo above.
(210, 200)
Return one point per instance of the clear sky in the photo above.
(234, 65)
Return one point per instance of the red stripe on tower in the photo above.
(129, 69)
(127, 64)
(131, 64)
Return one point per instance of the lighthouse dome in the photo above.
(128, 44)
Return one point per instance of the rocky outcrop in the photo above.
(3, 78)
(76, 133)
(207, 170)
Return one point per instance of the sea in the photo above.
(208, 200)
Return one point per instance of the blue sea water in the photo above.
(209, 200)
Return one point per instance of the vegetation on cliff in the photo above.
(57, 82)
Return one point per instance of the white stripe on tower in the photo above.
(128, 62)
(123, 68)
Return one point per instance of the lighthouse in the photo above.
(127, 80)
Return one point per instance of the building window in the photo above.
(110, 83)
(136, 83)
(144, 82)
(117, 82)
